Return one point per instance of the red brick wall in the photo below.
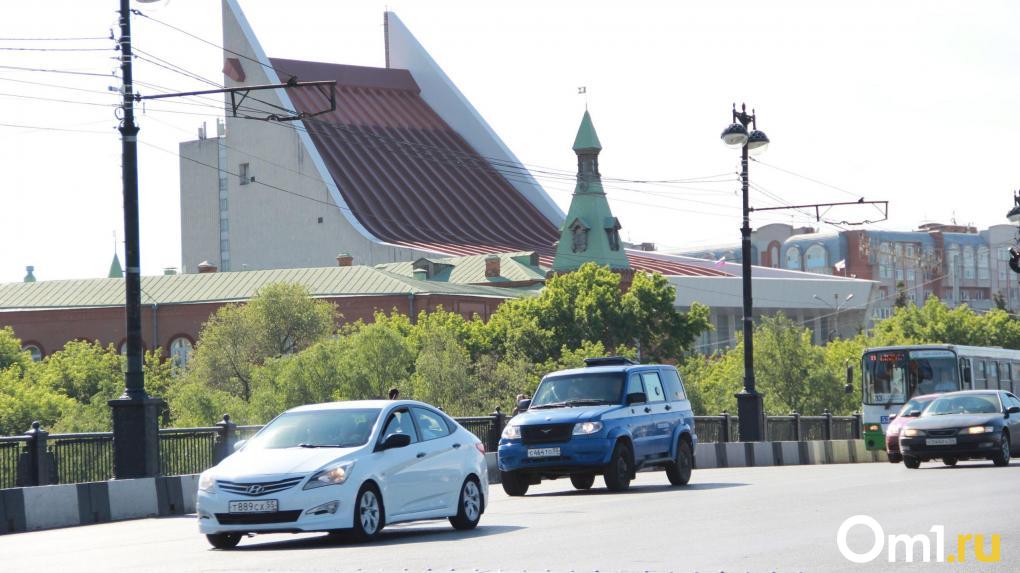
(52, 329)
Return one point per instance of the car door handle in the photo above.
(455, 446)
(647, 409)
(668, 407)
(421, 454)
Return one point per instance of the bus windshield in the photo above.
(894, 376)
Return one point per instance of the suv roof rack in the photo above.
(609, 361)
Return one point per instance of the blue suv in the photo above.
(612, 418)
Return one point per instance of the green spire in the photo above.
(586, 136)
(116, 272)
(590, 232)
(29, 278)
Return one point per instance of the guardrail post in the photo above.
(724, 434)
(498, 423)
(765, 425)
(796, 426)
(858, 426)
(226, 436)
(828, 424)
(35, 468)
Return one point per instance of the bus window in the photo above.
(980, 376)
(966, 373)
(993, 375)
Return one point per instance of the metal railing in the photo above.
(39, 458)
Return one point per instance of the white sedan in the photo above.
(346, 466)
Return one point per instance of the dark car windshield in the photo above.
(317, 429)
(579, 389)
(964, 404)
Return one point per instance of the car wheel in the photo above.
(583, 481)
(1002, 458)
(679, 471)
(894, 458)
(469, 506)
(950, 461)
(514, 484)
(224, 540)
(369, 515)
(912, 462)
(618, 470)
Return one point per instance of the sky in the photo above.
(910, 102)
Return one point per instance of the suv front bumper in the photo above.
(577, 454)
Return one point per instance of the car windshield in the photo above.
(965, 404)
(579, 389)
(915, 404)
(316, 429)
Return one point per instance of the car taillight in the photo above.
(480, 447)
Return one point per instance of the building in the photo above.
(957, 263)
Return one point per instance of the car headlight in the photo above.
(585, 428)
(334, 474)
(512, 432)
(979, 429)
(911, 432)
(206, 483)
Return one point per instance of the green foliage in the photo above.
(11, 353)
(935, 322)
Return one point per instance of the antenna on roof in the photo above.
(583, 90)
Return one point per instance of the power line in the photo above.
(44, 128)
(13, 49)
(69, 72)
(82, 39)
(38, 98)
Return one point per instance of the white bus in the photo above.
(893, 374)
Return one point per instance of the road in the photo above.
(733, 520)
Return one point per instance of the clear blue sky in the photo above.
(914, 102)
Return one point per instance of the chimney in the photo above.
(421, 274)
(207, 267)
(491, 266)
(169, 271)
(30, 278)
(344, 259)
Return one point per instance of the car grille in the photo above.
(546, 433)
(255, 489)
(258, 518)
(941, 433)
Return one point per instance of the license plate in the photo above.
(254, 506)
(543, 452)
(940, 442)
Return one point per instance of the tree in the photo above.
(10, 350)
(901, 295)
(935, 322)
(281, 319)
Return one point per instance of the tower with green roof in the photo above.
(590, 233)
(116, 272)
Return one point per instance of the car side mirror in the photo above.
(396, 441)
(239, 444)
(523, 405)
(636, 398)
(914, 413)
(892, 417)
(1013, 410)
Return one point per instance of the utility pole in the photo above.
(135, 414)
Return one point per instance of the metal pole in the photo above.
(135, 414)
(749, 403)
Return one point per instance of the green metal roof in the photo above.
(116, 272)
(586, 136)
(231, 286)
(513, 267)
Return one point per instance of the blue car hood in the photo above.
(563, 415)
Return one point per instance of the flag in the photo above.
(840, 265)
(720, 263)
(582, 90)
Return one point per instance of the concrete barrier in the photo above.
(750, 454)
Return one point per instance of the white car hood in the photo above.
(270, 462)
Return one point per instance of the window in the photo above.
(910, 250)
(431, 424)
(243, 174)
(816, 260)
(993, 371)
(983, 263)
(180, 351)
(774, 256)
(910, 275)
(653, 387)
(674, 384)
(968, 262)
(400, 423)
(35, 351)
(634, 385)
(793, 258)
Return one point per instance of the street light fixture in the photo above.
(750, 409)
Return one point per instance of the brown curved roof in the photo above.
(412, 180)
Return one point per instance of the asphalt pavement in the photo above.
(733, 520)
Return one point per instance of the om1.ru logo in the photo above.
(910, 543)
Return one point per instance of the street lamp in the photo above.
(749, 402)
(838, 306)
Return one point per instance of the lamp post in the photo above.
(1014, 217)
(838, 306)
(749, 402)
(135, 413)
